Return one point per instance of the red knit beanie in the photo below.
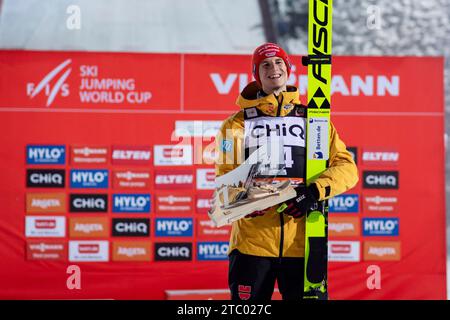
(265, 51)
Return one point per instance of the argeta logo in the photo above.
(45, 178)
(46, 154)
(131, 251)
(59, 86)
(174, 251)
(132, 227)
(382, 251)
(380, 179)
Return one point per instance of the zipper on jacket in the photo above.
(280, 104)
(281, 235)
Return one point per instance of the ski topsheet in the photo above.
(317, 147)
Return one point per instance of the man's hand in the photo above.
(306, 198)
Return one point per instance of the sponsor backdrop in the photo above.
(107, 159)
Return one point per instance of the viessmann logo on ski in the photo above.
(88, 251)
(131, 203)
(46, 250)
(128, 155)
(174, 227)
(380, 203)
(89, 155)
(345, 203)
(380, 179)
(174, 179)
(174, 251)
(46, 178)
(173, 203)
(378, 157)
(131, 179)
(89, 178)
(382, 251)
(212, 251)
(132, 227)
(380, 226)
(45, 226)
(84, 202)
(45, 202)
(46, 154)
(173, 155)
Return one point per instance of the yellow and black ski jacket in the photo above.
(274, 234)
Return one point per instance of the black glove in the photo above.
(305, 199)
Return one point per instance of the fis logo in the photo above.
(347, 203)
(86, 178)
(46, 154)
(380, 226)
(174, 227)
(46, 178)
(133, 203)
(59, 86)
(176, 251)
(212, 251)
(380, 179)
(88, 203)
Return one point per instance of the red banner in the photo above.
(106, 164)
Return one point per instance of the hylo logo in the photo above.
(40, 154)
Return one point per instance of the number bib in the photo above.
(286, 134)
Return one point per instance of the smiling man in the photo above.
(268, 246)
